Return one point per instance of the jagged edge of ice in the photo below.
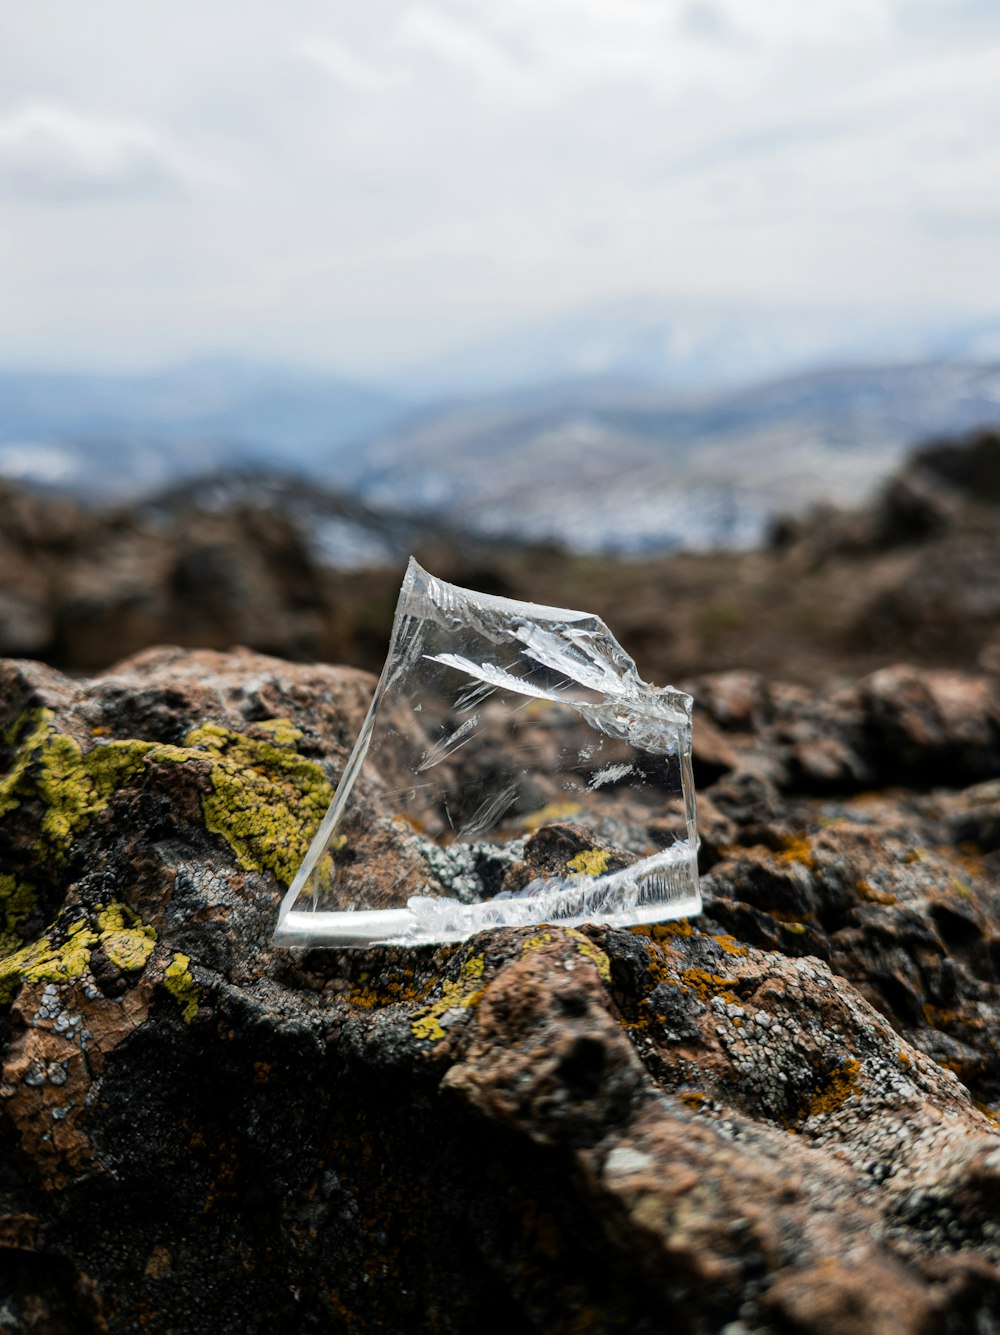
(577, 644)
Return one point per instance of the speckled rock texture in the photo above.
(780, 1117)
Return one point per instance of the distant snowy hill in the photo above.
(603, 461)
(600, 468)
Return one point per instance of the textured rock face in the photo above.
(208, 566)
(779, 1118)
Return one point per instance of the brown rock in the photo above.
(855, 1299)
(781, 1117)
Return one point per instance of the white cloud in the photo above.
(344, 64)
(472, 51)
(381, 175)
(51, 154)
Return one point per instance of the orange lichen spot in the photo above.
(707, 985)
(659, 965)
(866, 798)
(992, 1113)
(585, 1319)
(797, 850)
(404, 818)
(966, 1023)
(938, 1017)
(395, 986)
(730, 945)
(543, 1231)
(261, 1073)
(968, 856)
(663, 931)
(158, 1263)
(692, 1098)
(904, 1058)
(834, 1092)
(785, 915)
(872, 896)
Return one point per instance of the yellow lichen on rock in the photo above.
(581, 944)
(62, 955)
(536, 942)
(70, 784)
(591, 862)
(124, 938)
(45, 961)
(554, 811)
(179, 983)
(585, 947)
(266, 800)
(460, 992)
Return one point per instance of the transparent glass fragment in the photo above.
(513, 769)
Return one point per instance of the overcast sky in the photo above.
(361, 184)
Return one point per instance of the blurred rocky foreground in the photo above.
(288, 569)
(779, 1117)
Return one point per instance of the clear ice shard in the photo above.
(513, 769)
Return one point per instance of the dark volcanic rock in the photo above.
(780, 1118)
(898, 725)
(923, 560)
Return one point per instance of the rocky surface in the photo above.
(780, 1117)
(288, 568)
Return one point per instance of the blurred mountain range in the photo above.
(599, 467)
(115, 436)
(622, 430)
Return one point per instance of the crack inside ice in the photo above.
(513, 769)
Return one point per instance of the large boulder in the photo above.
(778, 1118)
